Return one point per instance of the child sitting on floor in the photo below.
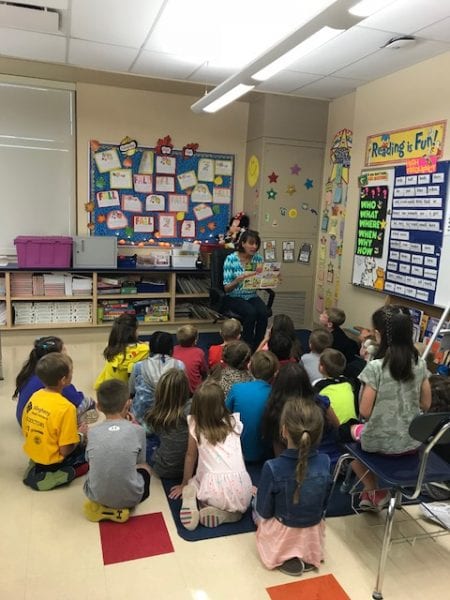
(318, 340)
(221, 483)
(191, 355)
(118, 476)
(53, 443)
(249, 400)
(123, 350)
(292, 494)
(332, 319)
(235, 368)
(27, 382)
(145, 374)
(335, 386)
(167, 419)
(230, 331)
(283, 324)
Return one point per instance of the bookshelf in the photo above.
(159, 297)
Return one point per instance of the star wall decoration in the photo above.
(291, 189)
(273, 177)
(271, 194)
(309, 183)
(295, 169)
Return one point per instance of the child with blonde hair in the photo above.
(292, 494)
(191, 355)
(230, 331)
(221, 483)
(123, 350)
(167, 419)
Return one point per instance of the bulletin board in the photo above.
(403, 232)
(143, 194)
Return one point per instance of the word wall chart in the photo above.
(416, 232)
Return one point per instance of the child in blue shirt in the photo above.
(250, 399)
(292, 494)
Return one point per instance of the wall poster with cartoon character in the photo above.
(403, 231)
(158, 194)
(372, 232)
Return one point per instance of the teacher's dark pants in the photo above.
(253, 314)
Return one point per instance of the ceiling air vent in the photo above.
(29, 17)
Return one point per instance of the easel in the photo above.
(436, 332)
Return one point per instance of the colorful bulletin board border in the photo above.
(402, 144)
(148, 195)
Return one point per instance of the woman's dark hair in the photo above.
(440, 393)
(42, 346)
(123, 332)
(248, 234)
(161, 342)
(291, 380)
(395, 326)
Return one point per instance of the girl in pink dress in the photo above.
(292, 493)
(221, 483)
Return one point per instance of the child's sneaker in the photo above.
(374, 500)
(293, 566)
(213, 517)
(189, 511)
(93, 511)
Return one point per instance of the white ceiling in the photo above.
(205, 41)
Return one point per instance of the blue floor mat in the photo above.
(339, 505)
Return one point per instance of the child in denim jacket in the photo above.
(292, 494)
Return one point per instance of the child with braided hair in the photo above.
(395, 389)
(292, 493)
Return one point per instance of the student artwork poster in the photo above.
(147, 196)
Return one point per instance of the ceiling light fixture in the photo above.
(365, 8)
(318, 31)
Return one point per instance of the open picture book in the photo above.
(267, 276)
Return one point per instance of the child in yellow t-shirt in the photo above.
(53, 442)
(123, 350)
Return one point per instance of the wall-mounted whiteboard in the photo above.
(37, 159)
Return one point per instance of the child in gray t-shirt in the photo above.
(118, 476)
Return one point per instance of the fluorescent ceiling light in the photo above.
(207, 104)
(314, 41)
(326, 25)
(365, 8)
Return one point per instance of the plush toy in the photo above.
(238, 224)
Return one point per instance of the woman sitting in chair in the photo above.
(240, 265)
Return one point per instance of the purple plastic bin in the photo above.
(43, 251)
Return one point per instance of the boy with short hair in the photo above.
(318, 340)
(191, 355)
(53, 442)
(118, 477)
(250, 399)
(230, 331)
(335, 386)
(332, 319)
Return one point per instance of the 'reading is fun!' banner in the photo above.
(402, 144)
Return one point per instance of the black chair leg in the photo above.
(395, 499)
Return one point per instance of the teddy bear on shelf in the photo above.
(238, 224)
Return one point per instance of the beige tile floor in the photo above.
(48, 550)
